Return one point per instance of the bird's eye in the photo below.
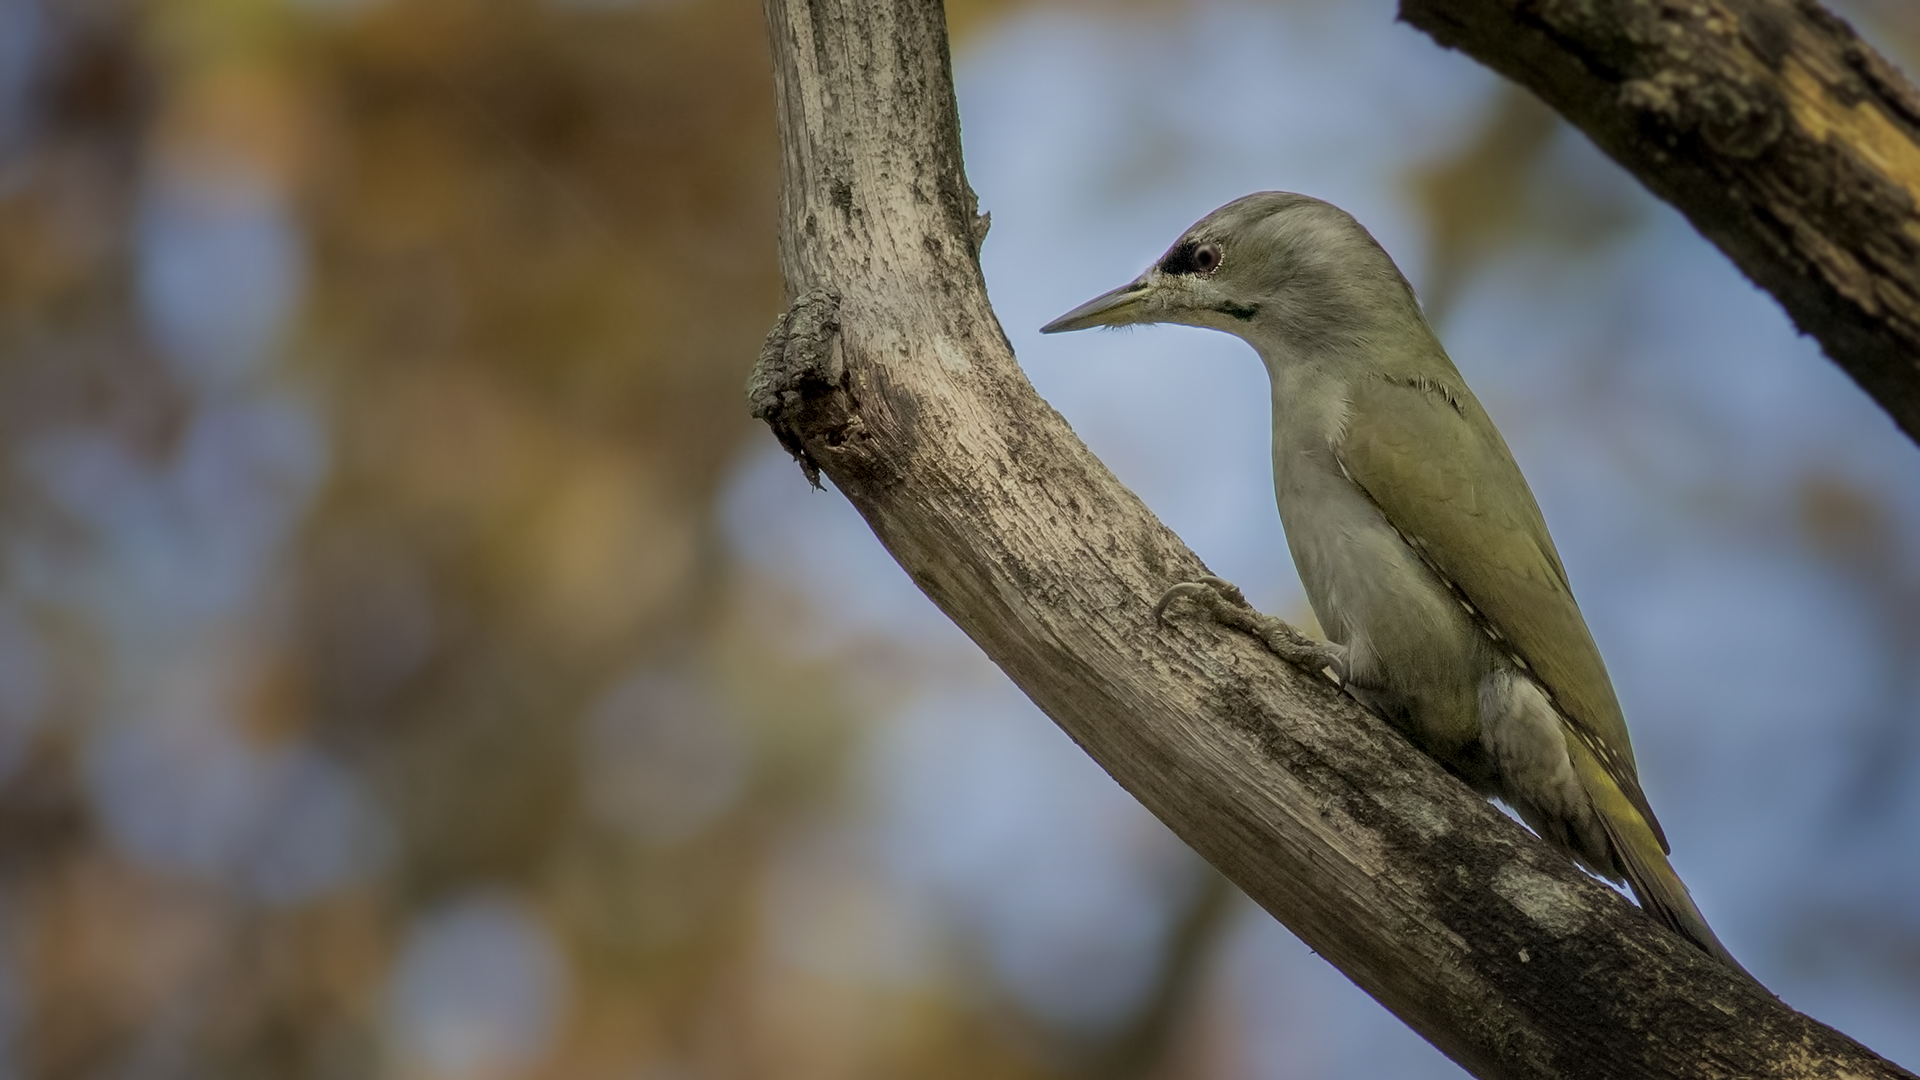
(1205, 258)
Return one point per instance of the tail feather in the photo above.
(1639, 854)
(1661, 892)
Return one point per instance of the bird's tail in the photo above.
(1641, 858)
(1661, 892)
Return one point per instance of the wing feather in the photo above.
(1430, 458)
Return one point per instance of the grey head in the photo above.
(1289, 273)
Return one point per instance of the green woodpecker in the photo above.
(1420, 546)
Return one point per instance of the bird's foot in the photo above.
(1223, 601)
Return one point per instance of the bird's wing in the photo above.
(1427, 454)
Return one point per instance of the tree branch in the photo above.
(891, 376)
(1783, 137)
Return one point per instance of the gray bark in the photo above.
(891, 376)
(1783, 137)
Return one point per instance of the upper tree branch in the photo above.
(1782, 136)
(892, 377)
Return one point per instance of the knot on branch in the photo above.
(799, 366)
(978, 230)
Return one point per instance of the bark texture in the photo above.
(1783, 137)
(890, 375)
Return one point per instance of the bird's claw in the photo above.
(1207, 590)
(1228, 606)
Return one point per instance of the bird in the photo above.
(1423, 553)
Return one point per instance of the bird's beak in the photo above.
(1117, 308)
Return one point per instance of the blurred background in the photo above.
(414, 664)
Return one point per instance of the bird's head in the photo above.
(1273, 268)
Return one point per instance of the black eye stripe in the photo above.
(1180, 259)
(1191, 257)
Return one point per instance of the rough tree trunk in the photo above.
(891, 376)
(1783, 138)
